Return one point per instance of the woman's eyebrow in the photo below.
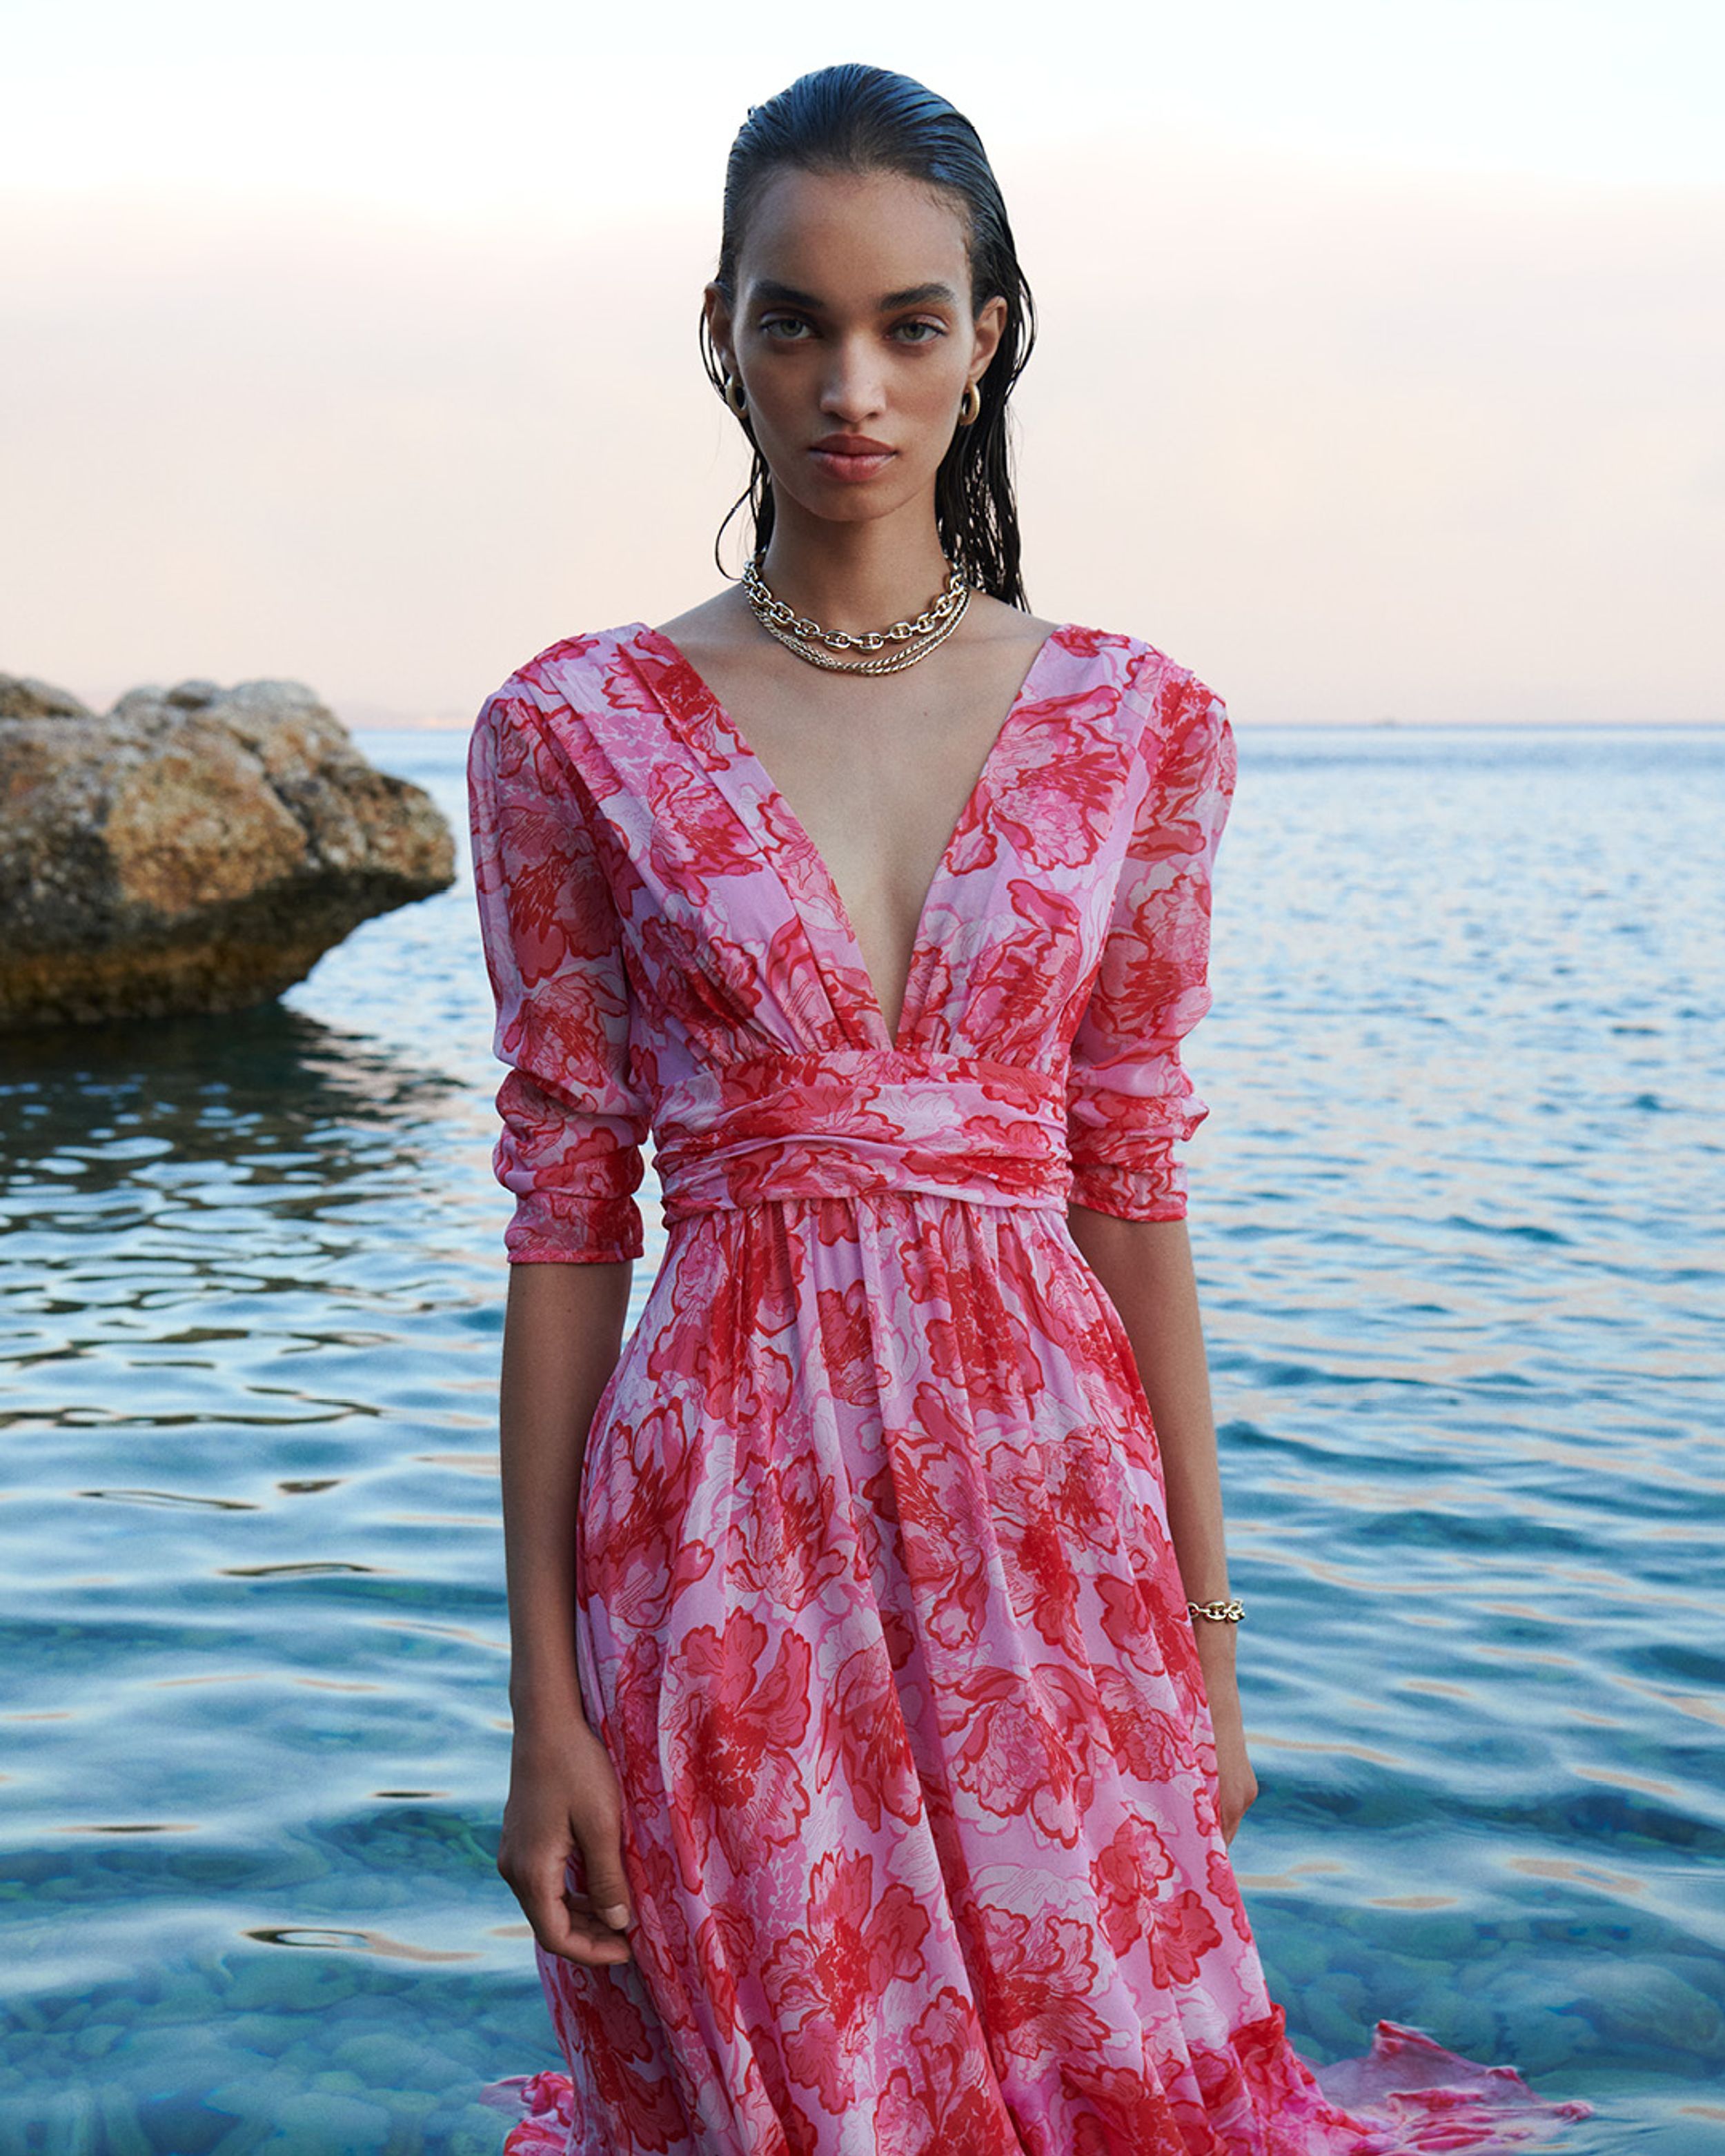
(785, 295)
(769, 291)
(919, 296)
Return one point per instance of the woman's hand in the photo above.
(1236, 1784)
(560, 1347)
(564, 1804)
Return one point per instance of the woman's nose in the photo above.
(854, 389)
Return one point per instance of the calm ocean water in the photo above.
(1456, 1213)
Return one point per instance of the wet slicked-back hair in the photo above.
(856, 119)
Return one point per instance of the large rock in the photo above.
(198, 849)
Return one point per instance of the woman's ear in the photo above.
(717, 310)
(990, 326)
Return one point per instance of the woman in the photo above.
(877, 1741)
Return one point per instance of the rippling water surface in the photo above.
(1456, 1213)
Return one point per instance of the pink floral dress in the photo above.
(879, 1618)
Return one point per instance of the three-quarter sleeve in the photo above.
(1129, 1099)
(573, 1118)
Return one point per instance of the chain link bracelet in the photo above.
(1219, 1612)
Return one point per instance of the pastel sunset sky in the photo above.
(1380, 376)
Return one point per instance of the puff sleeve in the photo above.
(1129, 1100)
(573, 1118)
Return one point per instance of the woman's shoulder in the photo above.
(573, 670)
(1152, 676)
(575, 714)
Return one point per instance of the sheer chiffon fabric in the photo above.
(878, 1614)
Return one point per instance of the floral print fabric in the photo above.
(878, 1615)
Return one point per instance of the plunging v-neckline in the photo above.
(893, 1037)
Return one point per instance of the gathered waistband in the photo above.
(845, 1121)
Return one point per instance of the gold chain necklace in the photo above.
(799, 634)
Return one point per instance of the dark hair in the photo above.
(856, 119)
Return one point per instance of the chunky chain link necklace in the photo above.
(915, 639)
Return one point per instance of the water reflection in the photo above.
(90, 1103)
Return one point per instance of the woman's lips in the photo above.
(857, 459)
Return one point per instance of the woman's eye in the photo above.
(781, 326)
(919, 332)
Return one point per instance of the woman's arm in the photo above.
(1146, 1271)
(562, 1332)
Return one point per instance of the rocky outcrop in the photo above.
(196, 849)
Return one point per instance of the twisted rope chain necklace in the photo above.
(916, 638)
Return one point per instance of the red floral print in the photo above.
(877, 1614)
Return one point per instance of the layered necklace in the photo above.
(899, 646)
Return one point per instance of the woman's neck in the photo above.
(854, 577)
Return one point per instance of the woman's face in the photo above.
(853, 337)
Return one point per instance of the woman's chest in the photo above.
(821, 900)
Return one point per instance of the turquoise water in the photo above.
(1457, 1215)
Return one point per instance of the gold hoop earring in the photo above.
(970, 405)
(734, 396)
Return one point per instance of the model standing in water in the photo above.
(877, 1742)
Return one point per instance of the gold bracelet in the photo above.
(1219, 1612)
